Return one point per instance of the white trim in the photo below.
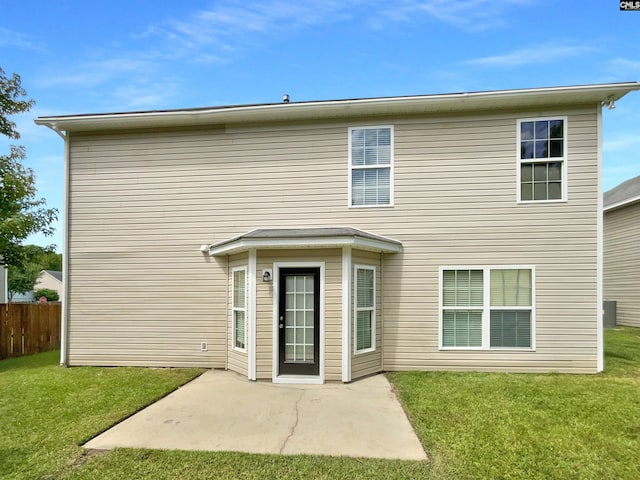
(486, 307)
(346, 314)
(300, 379)
(356, 309)
(622, 203)
(390, 166)
(418, 104)
(599, 254)
(251, 317)
(64, 321)
(244, 244)
(235, 309)
(563, 160)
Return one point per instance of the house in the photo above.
(329, 240)
(51, 279)
(4, 284)
(622, 252)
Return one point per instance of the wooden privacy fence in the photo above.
(27, 328)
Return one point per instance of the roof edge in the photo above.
(331, 108)
(622, 203)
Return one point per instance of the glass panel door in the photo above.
(299, 321)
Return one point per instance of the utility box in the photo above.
(609, 313)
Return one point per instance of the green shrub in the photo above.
(50, 295)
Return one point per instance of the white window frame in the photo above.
(235, 309)
(364, 167)
(563, 160)
(486, 306)
(357, 309)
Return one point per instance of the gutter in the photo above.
(622, 203)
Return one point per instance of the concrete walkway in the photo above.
(222, 411)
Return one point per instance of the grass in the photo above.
(473, 425)
(532, 426)
(47, 411)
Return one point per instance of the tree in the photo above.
(12, 102)
(33, 259)
(21, 278)
(21, 212)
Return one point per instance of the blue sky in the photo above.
(82, 57)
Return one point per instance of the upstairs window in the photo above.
(370, 166)
(542, 160)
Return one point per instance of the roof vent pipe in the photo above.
(285, 98)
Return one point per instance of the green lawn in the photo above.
(473, 425)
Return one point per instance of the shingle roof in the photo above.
(55, 273)
(626, 192)
(301, 237)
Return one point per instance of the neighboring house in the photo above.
(326, 241)
(50, 279)
(622, 250)
(4, 293)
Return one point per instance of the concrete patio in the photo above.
(222, 411)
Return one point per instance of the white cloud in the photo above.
(616, 143)
(623, 66)
(215, 34)
(466, 14)
(543, 53)
(10, 38)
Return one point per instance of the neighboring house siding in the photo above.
(4, 294)
(143, 202)
(622, 263)
(46, 280)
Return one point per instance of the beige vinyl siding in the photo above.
(622, 263)
(143, 202)
(237, 361)
(367, 363)
(332, 308)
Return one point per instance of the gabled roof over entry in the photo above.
(269, 238)
(624, 194)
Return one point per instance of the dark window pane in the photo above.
(526, 172)
(542, 130)
(540, 191)
(510, 329)
(526, 131)
(556, 129)
(556, 148)
(526, 150)
(542, 149)
(555, 190)
(555, 171)
(526, 191)
(540, 172)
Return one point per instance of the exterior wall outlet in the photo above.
(203, 346)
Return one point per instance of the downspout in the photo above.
(64, 321)
(227, 318)
(600, 253)
(381, 310)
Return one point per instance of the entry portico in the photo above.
(305, 305)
